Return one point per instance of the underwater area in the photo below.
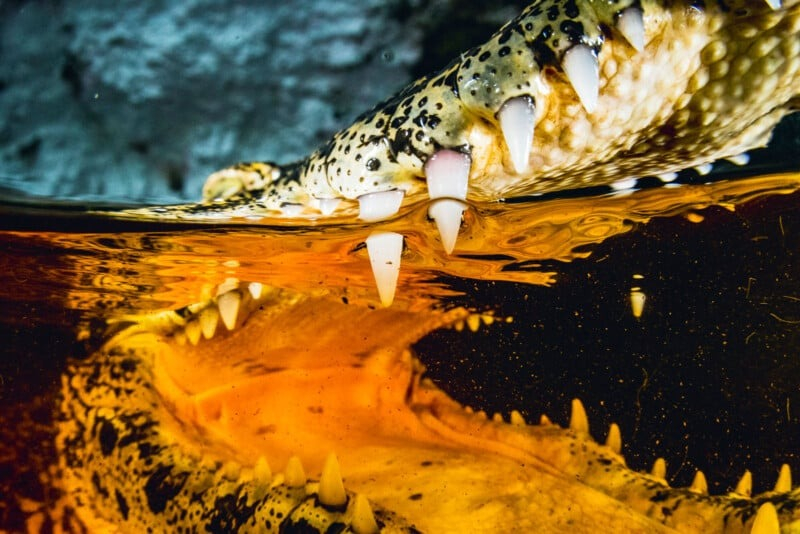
(671, 309)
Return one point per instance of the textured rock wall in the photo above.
(141, 100)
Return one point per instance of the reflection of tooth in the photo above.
(331, 487)
(631, 25)
(766, 520)
(363, 521)
(578, 422)
(255, 289)
(381, 205)
(614, 439)
(583, 71)
(517, 118)
(447, 173)
(328, 205)
(294, 473)
(193, 332)
(228, 305)
(699, 484)
(208, 321)
(385, 249)
(745, 485)
(784, 482)
(659, 469)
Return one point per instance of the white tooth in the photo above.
(447, 214)
(228, 305)
(624, 184)
(517, 118)
(578, 422)
(381, 205)
(740, 159)
(583, 72)
(704, 168)
(631, 25)
(208, 321)
(667, 176)
(784, 483)
(328, 205)
(255, 289)
(614, 439)
(384, 249)
(447, 173)
(363, 521)
(291, 210)
(774, 4)
(331, 487)
(294, 473)
(193, 332)
(766, 521)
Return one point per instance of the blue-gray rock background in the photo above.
(140, 101)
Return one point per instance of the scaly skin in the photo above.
(710, 82)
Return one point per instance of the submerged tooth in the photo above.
(228, 304)
(631, 25)
(784, 483)
(578, 422)
(331, 487)
(363, 520)
(745, 485)
(381, 205)
(517, 118)
(385, 249)
(209, 318)
(583, 71)
(614, 439)
(193, 332)
(447, 173)
(699, 484)
(294, 474)
(659, 469)
(766, 520)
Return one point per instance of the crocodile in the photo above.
(177, 422)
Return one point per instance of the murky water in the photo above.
(706, 376)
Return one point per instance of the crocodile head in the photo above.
(179, 421)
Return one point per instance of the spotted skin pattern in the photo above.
(711, 81)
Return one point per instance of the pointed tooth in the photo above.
(784, 482)
(209, 318)
(363, 520)
(294, 473)
(766, 520)
(667, 176)
(290, 209)
(228, 304)
(231, 470)
(774, 4)
(474, 322)
(740, 159)
(578, 421)
(517, 419)
(614, 439)
(699, 484)
(378, 206)
(624, 184)
(256, 289)
(261, 471)
(328, 205)
(631, 25)
(384, 250)
(544, 420)
(447, 173)
(193, 332)
(745, 485)
(447, 214)
(583, 71)
(497, 417)
(517, 119)
(704, 168)
(331, 487)
(659, 469)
